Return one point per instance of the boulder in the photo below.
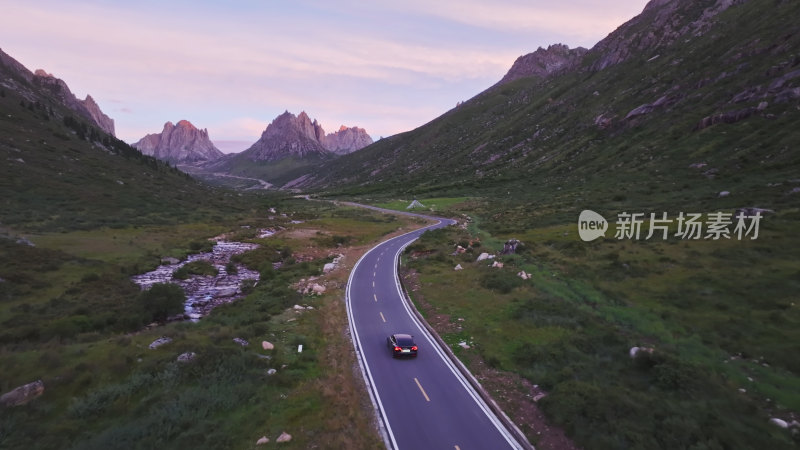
(284, 437)
(267, 345)
(22, 394)
(458, 267)
(484, 256)
(634, 351)
(241, 342)
(497, 264)
(779, 422)
(510, 246)
(524, 275)
(724, 193)
(329, 267)
(186, 357)
(463, 345)
(159, 342)
(263, 440)
(318, 289)
(271, 372)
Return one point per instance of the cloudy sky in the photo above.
(233, 66)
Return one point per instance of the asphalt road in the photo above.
(424, 402)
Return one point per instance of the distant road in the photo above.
(423, 403)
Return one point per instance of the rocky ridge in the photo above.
(299, 136)
(24, 82)
(544, 62)
(179, 143)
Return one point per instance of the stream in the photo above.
(204, 293)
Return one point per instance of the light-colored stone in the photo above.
(329, 267)
(458, 267)
(724, 193)
(186, 357)
(271, 372)
(284, 437)
(241, 342)
(267, 345)
(159, 342)
(524, 275)
(318, 289)
(463, 345)
(22, 394)
(484, 256)
(497, 264)
(263, 440)
(779, 422)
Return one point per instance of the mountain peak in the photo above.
(181, 143)
(299, 136)
(544, 62)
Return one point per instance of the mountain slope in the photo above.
(179, 143)
(630, 111)
(61, 171)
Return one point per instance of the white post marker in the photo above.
(300, 348)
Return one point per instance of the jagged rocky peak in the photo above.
(179, 144)
(299, 136)
(544, 62)
(347, 140)
(88, 108)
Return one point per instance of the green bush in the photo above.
(502, 281)
(161, 301)
(199, 267)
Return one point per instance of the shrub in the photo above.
(502, 281)
(161, 301)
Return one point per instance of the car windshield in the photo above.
(404, 341)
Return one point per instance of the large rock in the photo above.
(23, 394)
(267, 345)
(159, 342)
(544, 62)
(284, 437)
(181, 143)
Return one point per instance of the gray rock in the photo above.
(263, 440)
(284, 437)
(159, 342)
(186, 357)
(22, 394)
(779, 422)
(724, 193)
(241, 342)
(271, 372)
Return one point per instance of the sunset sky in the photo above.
(233, 66)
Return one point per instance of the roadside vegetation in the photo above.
(718, 323)
(72, 318)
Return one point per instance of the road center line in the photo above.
(375, 296)
(422, 390)
(457, 447)
(384, 318)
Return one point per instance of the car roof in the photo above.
(402, 336)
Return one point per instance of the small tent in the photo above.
(415, 204)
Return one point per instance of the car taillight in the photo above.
(414, 348)
(397, 349)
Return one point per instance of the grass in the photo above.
(719, 315)
(106, 389)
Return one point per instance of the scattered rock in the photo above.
(22, 394)
(271, 372)
(328, 267)
(241, 342)
(524, 275)
(187, 357)
(170, 260)
(263, 440)
(795, 190)
(539, 396)
(752, 211)
(497, 264)
(510, 246)
(724, 193)
(318, 289)
(484, 256)
(779, 422)
(284, 437)
(463, 345)
(267, 345)
(159, 342)
(634, 351)
(697, 165)
(459, 250)
(458, 267)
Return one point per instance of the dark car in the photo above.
(401, 345)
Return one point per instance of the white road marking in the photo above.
(422, 390)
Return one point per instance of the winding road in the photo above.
(425, 402)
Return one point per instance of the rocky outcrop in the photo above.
(181, 143)
(17, 77)
(298, 136)
(347, 140)
(661, 24)
(23, 394)
(544, 62)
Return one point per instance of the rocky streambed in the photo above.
(204, 293)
